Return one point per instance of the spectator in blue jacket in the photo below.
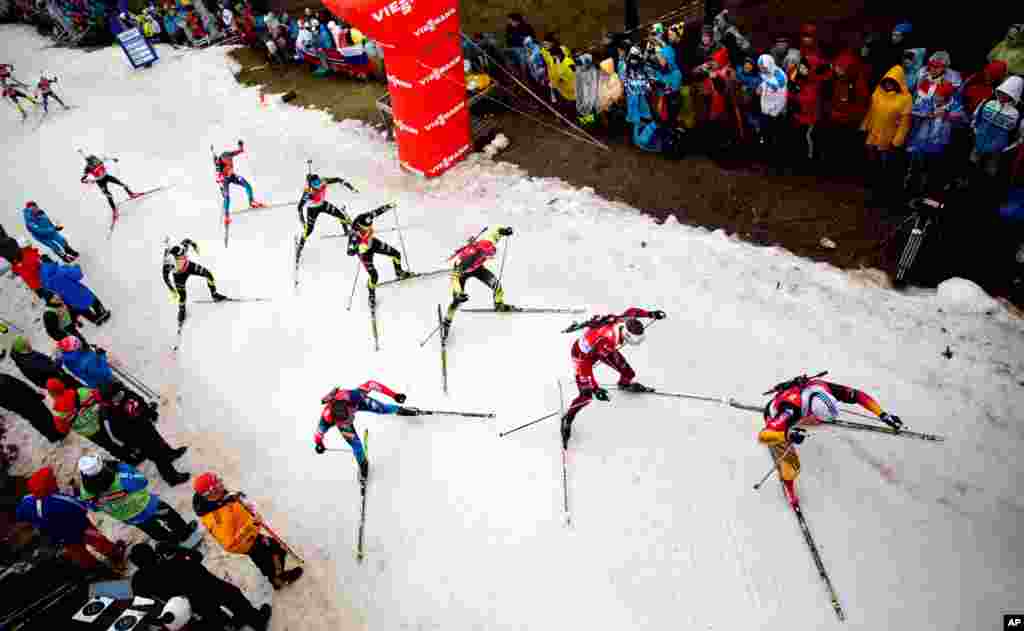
(87, 365)
(995, 122)
(46, 232)
(65, 281)
(64, 521)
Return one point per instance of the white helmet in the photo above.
(633, 332)
(176, 614)
(817, 401)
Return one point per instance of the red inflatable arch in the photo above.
(423, 54)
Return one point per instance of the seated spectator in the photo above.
(995, 122)
(1011, 50)
(935, 112)
(66, 282)
(79, 409)
(887, 124)
(235, 526)
(36, 367)
(121, 492)
(65, 521)
(22, 399)
(60, 321)
(25, 264)
(89, 365)
(179, 572)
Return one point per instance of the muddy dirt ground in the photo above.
(733, 193)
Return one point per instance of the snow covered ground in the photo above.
(464, 529)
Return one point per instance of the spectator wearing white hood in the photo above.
(995, 122)
(336, 34)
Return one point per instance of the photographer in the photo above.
(171, 571)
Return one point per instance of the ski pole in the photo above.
(543, 418)
(436, 329)
(775, 467)
(401, 239)
(516, 429)
(353, 294)
(276, 537)
(504, 255)
(466, 414)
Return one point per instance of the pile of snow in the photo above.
(464, 528)
(964, 296)
(499, 144)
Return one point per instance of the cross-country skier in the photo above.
(807, 402)
(15, 95)
(362, 241)
(340, 407)
(468, 262)
(601, 340)
(178, 267)
(226, 176)
(96, 168)
(315, 195)
(46, 232)
(45, 90)
(5, 74)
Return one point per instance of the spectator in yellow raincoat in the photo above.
(887, 125)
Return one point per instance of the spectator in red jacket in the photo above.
(26, 266)
(847, 102)
(806, 96)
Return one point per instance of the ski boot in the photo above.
(177, 453)
(260, 618)
(566, 431)
(460, 298)
(364, 471)
(635, 387)
(255, 204)
(70, 251)
(402, 274)
(174, 478)
(446, 325)
(287, 577)
(502, 307)
(132, 195)
(227, 219)
(218, 297)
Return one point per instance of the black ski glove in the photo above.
(241, 145)
(797, 435)
(600, 394)
(83, 179)
(891, 420)
(319, 449)
(407, 412)
(349, 186)
(400, 397)
(505, 232)
(658, 315)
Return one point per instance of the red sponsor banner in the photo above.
(423, 55)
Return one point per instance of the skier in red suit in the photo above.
(601, 340)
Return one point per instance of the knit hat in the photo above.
(42, 483)
(69, 344)
(206, 482)
(903, 28)
(90, 465)
(940, 58)
(55, 386)
(808, 30)
(20, 345)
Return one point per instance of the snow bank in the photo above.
(959, 294)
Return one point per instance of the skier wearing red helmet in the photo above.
(602, 338)
(340, 407)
